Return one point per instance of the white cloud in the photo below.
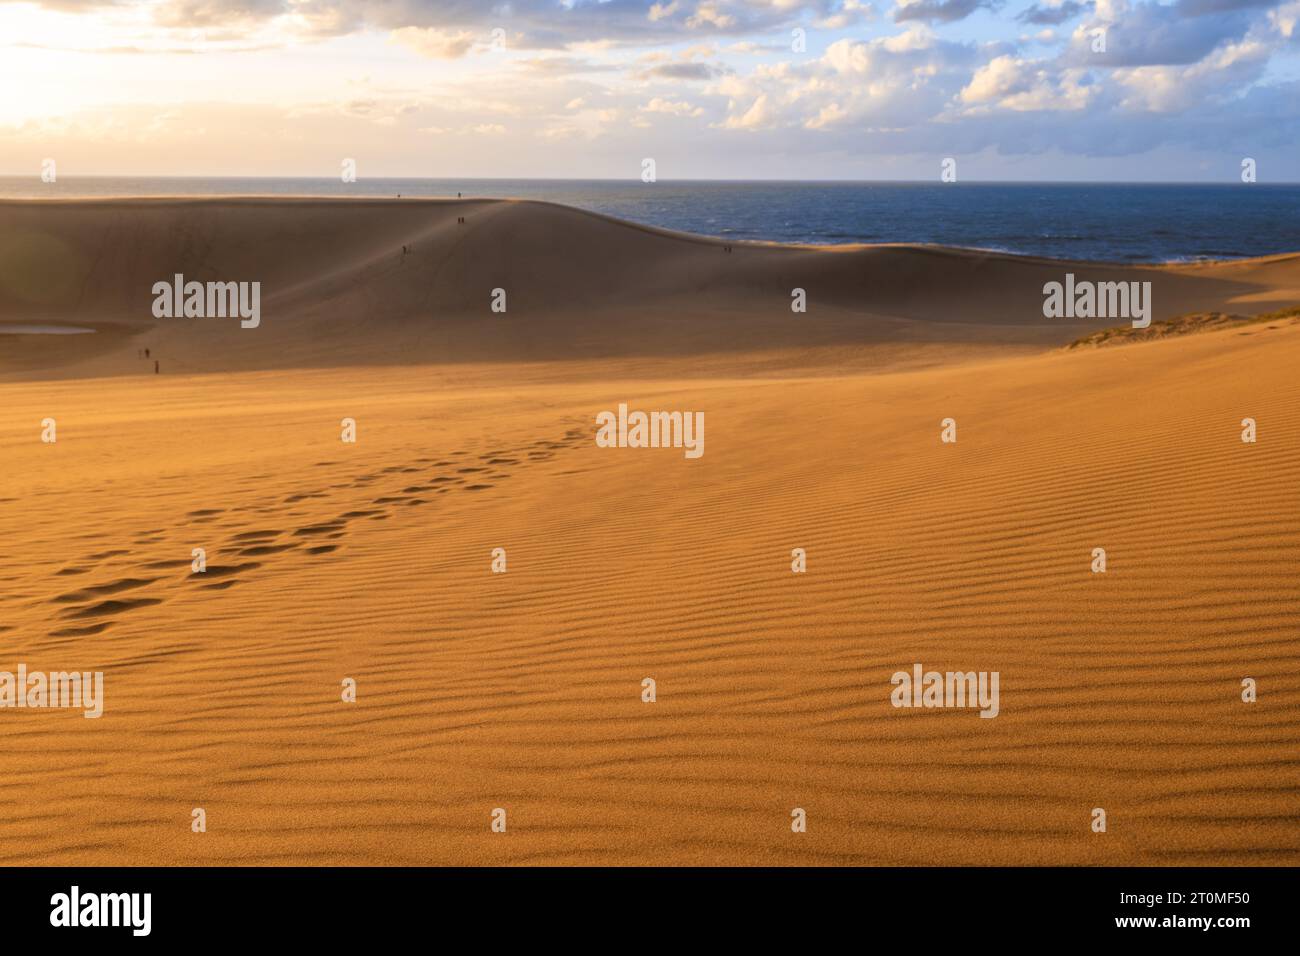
(1220, 76)
(710, 14)
(1010, 83)
(442, 44)
(1285, 18)
(678, 108)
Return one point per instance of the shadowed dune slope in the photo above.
(338, 290)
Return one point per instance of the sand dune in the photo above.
(337, 289)
(523, 690)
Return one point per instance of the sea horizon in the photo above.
(1091, 221)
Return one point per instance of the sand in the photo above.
(523, 690)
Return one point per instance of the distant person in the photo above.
(155, 366)
(146, 353)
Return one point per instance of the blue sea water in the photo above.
(1121, 222)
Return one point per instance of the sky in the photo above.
(1049, 90)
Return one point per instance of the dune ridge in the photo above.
(338, 289)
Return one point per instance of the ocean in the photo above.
(1120, 222)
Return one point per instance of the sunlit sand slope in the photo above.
(523, 690)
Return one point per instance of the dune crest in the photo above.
(383, 282)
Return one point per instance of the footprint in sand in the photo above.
(257, 535)
(104, 555)
(259, 550)
(261, 543)
(315, 529)
(167, 565)
(223, 570)
(107, 608)
(82, 631)
(115, 587)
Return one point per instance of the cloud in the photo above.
(678, 108)
(1153, 34)
(894, 81)
(533, 24)
(67, 6)
(1010, 83)
(567, 65)
(581, 83)
(190, 14)
(1219, 78)
(685, 71)
(1053, 12)
(1198, 7)
(846, 14)
(440, 44)
(1286, 20)
(916, 93)
(940, 11)
(711, 14)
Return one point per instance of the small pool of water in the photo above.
(43, 330)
